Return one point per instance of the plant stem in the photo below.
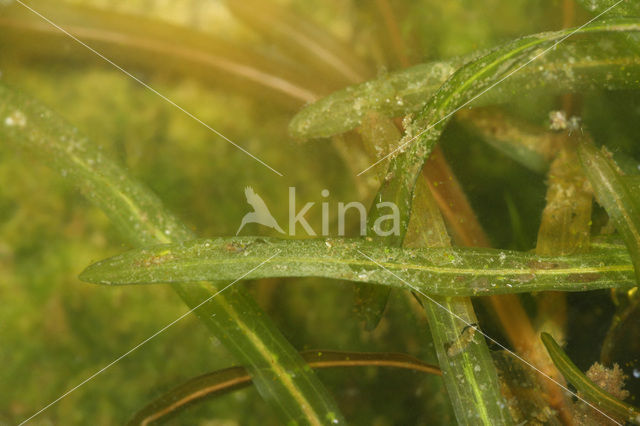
(233, 378)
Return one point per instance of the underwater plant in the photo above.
(479, 209)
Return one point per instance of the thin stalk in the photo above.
(229, 379)
(617, 326)
(393, 31)
(453, 202)
(378, 133)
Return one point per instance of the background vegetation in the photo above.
(56, 330)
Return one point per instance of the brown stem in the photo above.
(233, 378)
(453, 202)
(393, 30)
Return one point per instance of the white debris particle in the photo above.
(16, 119)
(558, 120)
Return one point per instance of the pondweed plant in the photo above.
(110, 96)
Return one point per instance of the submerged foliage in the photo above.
(406, 76)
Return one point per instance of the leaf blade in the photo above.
(615, 195)
(599, 61)
(442, 271)
(594, 394)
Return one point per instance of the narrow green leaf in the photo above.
(485, 78)
(280, 374)
(469, 373)
(615, 195)
(618, 8)
(392, 95)
(464, 357)
(379, 134)
(442, 271)
(597, 60)
(589, 390)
